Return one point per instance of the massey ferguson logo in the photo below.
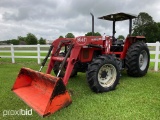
(81, 40)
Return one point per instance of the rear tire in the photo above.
(103, 74)
(137, 59)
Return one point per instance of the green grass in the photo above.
(133, 99)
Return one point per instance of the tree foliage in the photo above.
(61, 36)
(13, 41)
(144, 25)
(120, 37)
(42, 41)
(69, 35)
(158, 36)
(20, 38)
(95, 34)
(31, 39)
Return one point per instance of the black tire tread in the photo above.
(132, 57)
(92, 73)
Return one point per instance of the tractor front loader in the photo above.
(102, 58)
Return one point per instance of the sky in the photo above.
(51, 18)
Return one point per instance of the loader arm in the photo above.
(58, 43)
(70, 58)
(71, 61)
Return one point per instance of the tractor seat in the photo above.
(117, 46)
(118, 42)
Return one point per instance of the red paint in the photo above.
(81, 44)
(39, 91)
(45, 93)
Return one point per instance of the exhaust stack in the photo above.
(92, 24)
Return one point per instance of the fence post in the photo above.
(156, 56)
(12, 53)
(38, 54)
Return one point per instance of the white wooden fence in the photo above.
(156, 52)
(12, 50)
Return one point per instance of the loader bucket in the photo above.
(44, 93)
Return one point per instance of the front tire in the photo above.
(103, 74)
(137, 59)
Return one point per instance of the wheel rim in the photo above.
(143, 60)
(107, 75)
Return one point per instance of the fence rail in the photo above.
(38, 50)
(156, 52)
(13, 51)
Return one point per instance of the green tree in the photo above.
(42, 41)
(31, 39)
(121, 37)
(158, 24)
(61, 36)
(95, 34)
(22, 40)
(69, 35)
(8, 41)
(15, 42)
(144, 25)
(158, 36)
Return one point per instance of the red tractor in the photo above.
(101, 57)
